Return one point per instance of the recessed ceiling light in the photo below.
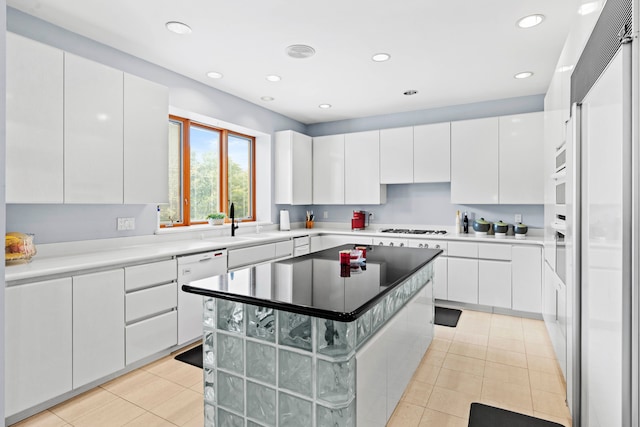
(523, 75)
(324, 106)
(530, 21)
(273, 78)
(214, 75)
(300, 51)
(381, 57)
(178, 27)
(267, 98)
(410, 92)
(587, 8)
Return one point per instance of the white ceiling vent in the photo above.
(300, 51)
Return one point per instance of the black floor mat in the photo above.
(447, 316)
(192, 356)
(488, 416)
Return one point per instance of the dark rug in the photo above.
(488, 416)
(192, 356)
(447, 316)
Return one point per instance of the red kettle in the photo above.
(359, 220)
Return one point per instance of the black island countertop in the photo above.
(313, 284)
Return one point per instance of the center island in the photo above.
(308, 342)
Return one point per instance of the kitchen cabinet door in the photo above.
(440, 278)
(98, 325)
(526, 262)
(462, 280)
(362, 169)
(494, 283)
(474, 161)
(146, 153)
(396, 154)
(328, 170)
(93, 129)
(38, 343)
(293, 168)
(521, 159)
(34, 100)
(432, 153)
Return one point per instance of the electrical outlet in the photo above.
(371, 215)
(325, 215)
(518, 218)
(125, 224)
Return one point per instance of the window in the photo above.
(209, 168)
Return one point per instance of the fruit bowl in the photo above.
(18, 248)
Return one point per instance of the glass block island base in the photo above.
(265, 366)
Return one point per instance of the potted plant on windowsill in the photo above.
(216, 218)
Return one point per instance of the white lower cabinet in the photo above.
(38, 343)
(386, 363)
(440, 278)
(494, 283)
(251, 255)
(150, 315)
(151, 336)
(98, 325)
(554, 314)
(463, 280)
(527, 278)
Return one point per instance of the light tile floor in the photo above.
(498, 360)
(164, 393)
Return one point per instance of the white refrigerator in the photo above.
(604, 246)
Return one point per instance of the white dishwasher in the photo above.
(196, 270)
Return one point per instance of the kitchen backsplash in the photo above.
(428, 204)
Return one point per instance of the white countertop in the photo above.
(59, 259)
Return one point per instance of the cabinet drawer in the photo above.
(150, 301)
(494, 251)
(151, 336)
(463, 250)
(252, 255)
(300, 241)
(142, 276)
(284, 248)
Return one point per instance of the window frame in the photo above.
(223, 196)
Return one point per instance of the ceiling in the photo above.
(451, 51)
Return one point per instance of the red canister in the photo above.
(364, 251)
(345, 257)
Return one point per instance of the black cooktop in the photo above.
(410, 231)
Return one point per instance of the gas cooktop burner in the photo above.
(409, 231)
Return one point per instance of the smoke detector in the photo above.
(300, 51)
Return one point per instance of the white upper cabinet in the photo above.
(474, 161)
(362, 169)
(34, 156)
(93, 129)
(396, 155)
(328, 170)
(293, 168)
(432, 153)
(146, 156)
(521, 159)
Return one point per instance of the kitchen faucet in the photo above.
(233, 220)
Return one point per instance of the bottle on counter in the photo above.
(457, 222)
(465, 224)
